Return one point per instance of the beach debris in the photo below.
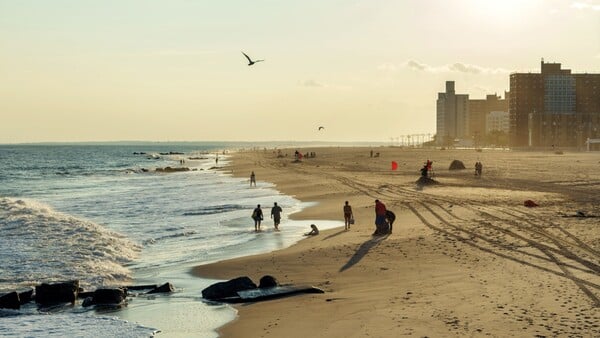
(243, 289)
(530, 204)
(321, 128)
(64, 292)
(10, 301)
(165, 288)
(457, 165)
(227, 289)
(394, 165)
(579, 214)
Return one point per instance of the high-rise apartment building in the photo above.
(553, 108)
(459, 118)
(452, 115)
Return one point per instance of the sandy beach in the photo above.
(466, 257)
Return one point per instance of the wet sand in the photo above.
(466, 258)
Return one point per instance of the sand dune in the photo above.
(466, 258)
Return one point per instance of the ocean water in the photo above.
(102, 214)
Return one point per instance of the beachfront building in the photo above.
(497, 121)
(479, 112)
(452, 116)
(554, 108)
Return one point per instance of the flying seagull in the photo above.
(250, 62)
(321, 127)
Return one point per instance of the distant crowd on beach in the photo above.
(384, 218)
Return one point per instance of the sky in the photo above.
(366, 70)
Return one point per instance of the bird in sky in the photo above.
(250, 62)
(321, 127)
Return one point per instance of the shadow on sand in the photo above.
(362, 251)
(334, 234)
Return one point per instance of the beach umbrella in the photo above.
(394, 165)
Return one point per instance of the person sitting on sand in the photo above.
(348, 216)
(257, 216)
(313, 232)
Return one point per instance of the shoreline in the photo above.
(439, 273)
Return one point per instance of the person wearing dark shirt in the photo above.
(257, 216)
(276, 215)
(390, 217)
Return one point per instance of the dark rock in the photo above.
(457, 165)
(10, 301)
(228, 289)
(85, 294)
(88, 301)
(165, 288)
(172, 170)
(65, 292)
(141, 287)
(25, 297)
(267, 282)
(106, 296)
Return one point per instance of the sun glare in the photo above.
(506, 10)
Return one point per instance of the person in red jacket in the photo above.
(380, 220)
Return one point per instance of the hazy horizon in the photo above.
(145, 71)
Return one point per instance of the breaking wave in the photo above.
(43, 245)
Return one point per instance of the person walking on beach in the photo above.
(257, 216)
(478, 168)
(380, 221)
(276, 215)
(390, 217)
(348, 216)
(252, 179)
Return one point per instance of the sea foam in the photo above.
(43, 245)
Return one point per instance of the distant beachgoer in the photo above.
(371, 152)
(424, 171)
(429, 167)
(478, 168)
(252, 179)
(313, 232)
(348, 216)
(257, 216)
(217, 159)
(390, 217)
(276, 215)
(380, 220)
